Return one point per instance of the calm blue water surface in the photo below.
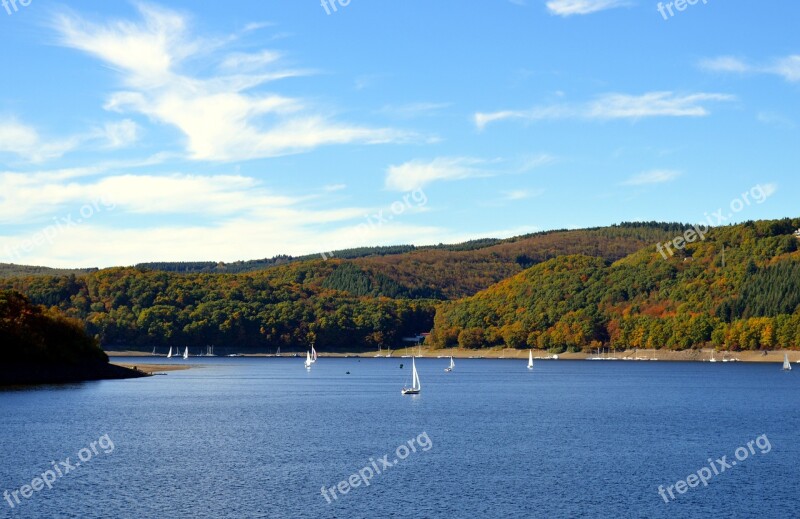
(259, 437)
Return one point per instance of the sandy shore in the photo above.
(662, 355)
(154, 368)
(498, 353)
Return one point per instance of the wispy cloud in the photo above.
(26, 143)
(221, 116)
(221, 217)
(787, 67)
(578, 7)
(521, 194)
(411, 110)
(418, 173)
(775, 119)
(614, 106)
(658, 176)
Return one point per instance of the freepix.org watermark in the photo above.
(60, 225)
(415, 199)
(58, 470)
(757, 194)
(332, 6)
(12, 6)
(376, 467)
(714, 468)
(678, 5)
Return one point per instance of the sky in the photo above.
(221, 131)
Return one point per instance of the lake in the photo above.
(261, 437)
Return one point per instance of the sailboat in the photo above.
(712, 357)
(278, 353)
(416, 387)
(169, 355)
(786, 365)
(186, 353)
(451, 366)
(308, 361)
(154, 352)
(530, 359)
(313, 354)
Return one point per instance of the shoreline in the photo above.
(151, 369)
(704, 355)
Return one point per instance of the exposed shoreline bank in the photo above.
(705, 355)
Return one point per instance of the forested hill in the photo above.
(567, 289)
(42, 346)
(738, 289)
(342, 304)
(9, 270)
(30, 334)
(428, 269)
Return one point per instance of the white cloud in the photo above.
(411, 110)
(658, 176)
(220, 116)
(521, 194)
(775, 119)
(25, 142)
(121, 134)
(418, 173)
(578, 7)
(725, 64)
(787, 67)
(614, 106)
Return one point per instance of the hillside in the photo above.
(748, 300)
(255, 312)
(564, 289)
(444, 274)
(9, 270)
(43, 346)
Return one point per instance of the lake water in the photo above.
(259, 437)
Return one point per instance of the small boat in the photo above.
(154, 352)
(186, 353)
(416, 387)
(169, 355)
(278, 353)
(786, 365)
(530, 359)
(451, 366)
(712, 357)
(308, 362)
(313, 354)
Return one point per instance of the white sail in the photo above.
(786, 365)
(169, 355)
(186, 353)
(452, 364)
(530, 359)
(308, 360)
(415, 383)
(313, 354)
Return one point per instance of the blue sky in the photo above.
(182, 131)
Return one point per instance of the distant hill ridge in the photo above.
(739, 287)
